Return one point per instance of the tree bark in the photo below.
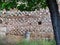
(55, 18)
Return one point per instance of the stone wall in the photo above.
(38, 23)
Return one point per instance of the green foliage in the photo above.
(24, 5)
(8, 5)
(33, 4)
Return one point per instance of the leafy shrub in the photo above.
(28, 5)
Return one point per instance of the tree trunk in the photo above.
(53, 8)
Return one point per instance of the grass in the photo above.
(37, 42)
(32, 42)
